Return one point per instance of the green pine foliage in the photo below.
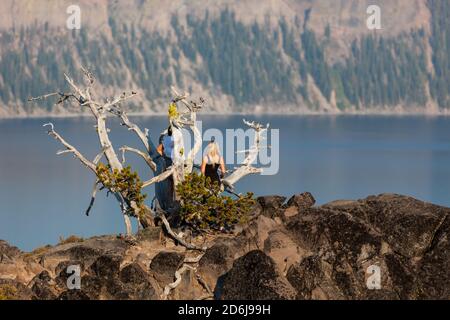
(204, 207)
(123, 181)
(384, 72)
(251, 63)
(440, 43)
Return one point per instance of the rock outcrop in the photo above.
(382, 247)
(254, 277)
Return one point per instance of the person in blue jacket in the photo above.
(164, 190)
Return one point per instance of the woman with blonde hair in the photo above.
(211, 163)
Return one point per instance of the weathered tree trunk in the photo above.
(99, 111)
(183, 163)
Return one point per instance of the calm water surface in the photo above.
(44, 196)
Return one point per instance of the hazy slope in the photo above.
(272, 56)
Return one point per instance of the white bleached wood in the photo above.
(94, 194)
(177, 281)
(83, 98)
(142, 135)
(247, 166)
(191, 122)
(142, 154)
(179, 273)
(163, 176)
(69, 148)
(183, 164)
(161, 214)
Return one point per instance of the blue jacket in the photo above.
(164, 190)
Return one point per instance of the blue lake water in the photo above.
(43, 196)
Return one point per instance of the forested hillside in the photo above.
(281, 64)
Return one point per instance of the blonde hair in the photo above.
(212, 152)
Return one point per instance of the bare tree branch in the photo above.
(179, 273)
(246, 168)
(160, 214)
(45, 96)
(193, 107)
(118, 100)
(177, 281)
(144, 155)
(75, 87)
(98, 157)
(163, 176)
(94, 193)
(62, 97)
(182, 163)
(70, 148)
(124, 210)
(90, 78)
(83, 97)
(142, 135)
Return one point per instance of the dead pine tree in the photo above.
(117, 179)
(83, 96)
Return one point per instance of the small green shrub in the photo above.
(70, 239)
(8, 292)
(38, 251)
(203, 206)
(123, 181)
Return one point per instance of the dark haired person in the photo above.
(164, 190)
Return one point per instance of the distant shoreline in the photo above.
(261, 114)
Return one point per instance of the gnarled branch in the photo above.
(83, 97)
(179, 273)
(160, 214)
(163, 176)
(177, 281)
(144, 155)
(118, 100)
(246, 168)
(142, 135)
(94, 194)
(189, 118)
(69, 148)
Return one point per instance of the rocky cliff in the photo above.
(289, 250)
(297, 56)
